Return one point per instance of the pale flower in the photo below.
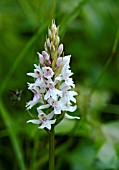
(41, 84)
(37, 72)
(64, 87)
(67, 106)
(47, 72)
(41, 59)
(37, 96)
(59, 61)
(69, 82)
(52, 91)
(63, 61)
(65, 73)
(69, 96)
(56, 105)
(44, 120)
(66, 60)
(70, 108)
(31, 103)
(45, 55)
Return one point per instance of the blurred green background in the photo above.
(89, 30)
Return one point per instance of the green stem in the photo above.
(51, 149)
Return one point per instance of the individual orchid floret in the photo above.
(41, 84)
(37, 96)
(70, 82)
(52, 91)
(56, 105)
(44, 58)
(31, 103)
(70, 108)
(37, 72)
(44, 120)
(33, 88)
(66, 60)
(45, 55)
(41, 59)
(69, 96)
(48, 72)
(36, 99)
(64, 87)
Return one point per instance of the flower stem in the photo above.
(51, 149)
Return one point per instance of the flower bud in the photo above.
(41, 58)
(53, 36)
(49, 34)
(57, 40)
(45, 55)
(53, 27)
(48, 43)
(45, 46)
(53, 48)
(60, 49)
(59, 62)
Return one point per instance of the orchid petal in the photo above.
(34, 121)
(71, 117)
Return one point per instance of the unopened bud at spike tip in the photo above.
(60, 49)
(53, 27)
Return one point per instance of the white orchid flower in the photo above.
(44, 120)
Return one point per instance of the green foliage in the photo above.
(105, 160)
(89, 30)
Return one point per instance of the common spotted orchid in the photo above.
(53, 84)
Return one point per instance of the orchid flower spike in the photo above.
(53, 84)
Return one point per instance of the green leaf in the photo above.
(107, 157)
(81, 158)
(112, 129)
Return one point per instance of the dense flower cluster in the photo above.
(53, 83)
